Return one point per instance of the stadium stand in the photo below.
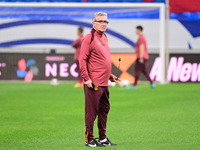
(90, 1)
(114, 1)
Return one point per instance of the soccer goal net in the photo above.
(38, 36)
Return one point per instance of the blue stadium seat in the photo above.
(159, 1)
(4, 0)
(128, 1)
(114, 1)
(59, 0)
(73, 0)
(44, 0)
(97, 1)
(137, 0)
(21, 0)
(31, 0)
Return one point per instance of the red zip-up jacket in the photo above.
(95, 59)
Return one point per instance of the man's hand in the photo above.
(88, 83)
(141, 60)
(113, 78)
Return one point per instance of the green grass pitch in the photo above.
(37, 116)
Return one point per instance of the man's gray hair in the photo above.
(98, 14)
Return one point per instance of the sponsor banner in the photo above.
(181, 68)
(28, 67)
(37, 67)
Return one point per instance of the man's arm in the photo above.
(75, 43)
(114, 78)
(141, 53)
(83, 58)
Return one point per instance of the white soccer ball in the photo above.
(124, 83)
(111, 84)
(121, 83)
(54, 82)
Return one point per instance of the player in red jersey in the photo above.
(142, 58)
(95, 66)
(77, 44)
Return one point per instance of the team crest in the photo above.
(98, 43)
(95, 87)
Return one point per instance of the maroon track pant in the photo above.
(96, 104)
(141, 68)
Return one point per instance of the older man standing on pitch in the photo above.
(95, 66)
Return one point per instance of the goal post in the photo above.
(159, 6)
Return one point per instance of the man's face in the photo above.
(78, 33)
(100, 24)
(137, 31)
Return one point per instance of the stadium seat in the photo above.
(4, 0)
(114, 1)
(31, 0)
(138, 1)
(73, 0)
(98, 1)
(159, 1)
(44, 0)
(127, 1)
(59, 0)
(15, 1)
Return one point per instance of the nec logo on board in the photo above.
(177, 70)
(59, 69)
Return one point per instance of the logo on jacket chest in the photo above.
(106, 42)
(103, 43)
(98, 43)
